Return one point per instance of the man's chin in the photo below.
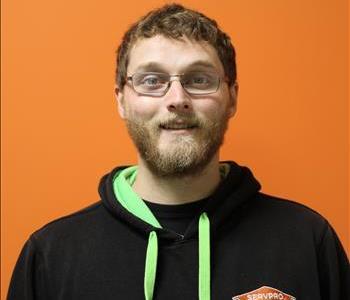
(170, 140)
(177, 148)
(174, 169)
(175, 161)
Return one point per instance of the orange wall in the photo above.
(61, 131)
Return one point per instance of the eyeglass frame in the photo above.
(220, 78)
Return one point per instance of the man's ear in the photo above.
(233, 90)
(119, 96)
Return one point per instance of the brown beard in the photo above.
(189, 156)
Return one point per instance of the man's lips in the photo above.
(178, 126)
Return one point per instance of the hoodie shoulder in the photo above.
(288, 214)
(71, 223)
(289, 205)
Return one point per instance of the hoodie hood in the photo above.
(238, 187)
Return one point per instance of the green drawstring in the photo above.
(151, 265)
(204, 257)
(204, 261)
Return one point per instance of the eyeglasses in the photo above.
(157, 84)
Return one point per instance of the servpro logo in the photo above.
(264, 293)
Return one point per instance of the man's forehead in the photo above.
(165, 54)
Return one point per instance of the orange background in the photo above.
(61, 131)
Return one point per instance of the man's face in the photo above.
(176, 134)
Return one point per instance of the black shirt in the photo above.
(176, 217)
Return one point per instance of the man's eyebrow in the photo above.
(155, 66)
(201, 63)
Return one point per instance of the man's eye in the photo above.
(199, 79)
(150, 80)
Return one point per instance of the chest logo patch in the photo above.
(264, 293)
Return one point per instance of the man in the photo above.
(181, 224)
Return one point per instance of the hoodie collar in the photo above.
(238, 187)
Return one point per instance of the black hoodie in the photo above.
(261, 247)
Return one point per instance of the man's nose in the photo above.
(177, 99)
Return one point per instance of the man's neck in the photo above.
(177, 190)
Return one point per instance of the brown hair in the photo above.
(175, 21)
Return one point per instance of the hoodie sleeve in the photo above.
(27, 278)
(334, 268)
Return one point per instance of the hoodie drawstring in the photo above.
(151, 265)
(204, 257)
(203, 261)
